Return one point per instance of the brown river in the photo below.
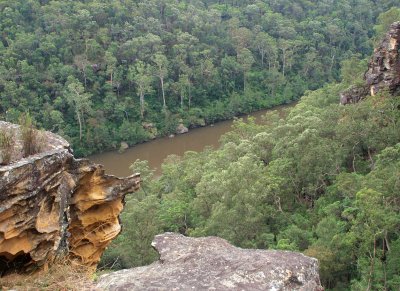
(155, 151)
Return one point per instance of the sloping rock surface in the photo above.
(211, 263)
(53, 204)
(383, 69)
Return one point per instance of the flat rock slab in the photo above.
(211, 263)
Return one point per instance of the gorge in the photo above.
(308, 197)
(155, 151)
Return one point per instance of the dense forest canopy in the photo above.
(96, 71)
(325, 181)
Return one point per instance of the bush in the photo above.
(132, 133)
(7, 142)
(32, 139)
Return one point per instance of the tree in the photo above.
(82, 63)
(161, 71)
(246, 60)
(143, 79)
(78, 100)
(266, 47)
(183, 85)
(111, 63)
(285, 46)
(385, 19)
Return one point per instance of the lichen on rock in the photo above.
(52, 204)
(211, 263)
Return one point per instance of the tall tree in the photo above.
(111, 63)
(143, 79)
(266, 47)
(246, 60)
(78, 100)
(161, 71)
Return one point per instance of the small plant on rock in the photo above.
(7, 142)
(32, 141)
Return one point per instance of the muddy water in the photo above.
(157, 150)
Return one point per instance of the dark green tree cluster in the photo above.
(325, 181)
(95, 71)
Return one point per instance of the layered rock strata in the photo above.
(53, 204)
(211, 263)
(383, 69)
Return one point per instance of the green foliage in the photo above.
(83, 68)
(7, 142)
(324, 181)
(384, 20)
(132, 132)
(141, 224)
(353, 70)
(32, 139)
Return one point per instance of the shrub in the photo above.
(32, 139)
(7, 142)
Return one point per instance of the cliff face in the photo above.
(53, 204)
(211, 263)
(383, 69)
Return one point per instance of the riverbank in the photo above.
(155, 151)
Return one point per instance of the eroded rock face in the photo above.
(383, 69)
(211, 263)
(354, 94)
(52, 203)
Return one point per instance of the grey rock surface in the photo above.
(211, 263)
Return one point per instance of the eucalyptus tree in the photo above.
(143, 79)
(161, 71)
(246, 60)
(78, 100)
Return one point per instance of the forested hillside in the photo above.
(96, 71)
(325, 181)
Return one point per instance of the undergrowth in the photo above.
(62, 275)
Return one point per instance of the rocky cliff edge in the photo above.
(383, 69)
(211, 263)
(52, 204)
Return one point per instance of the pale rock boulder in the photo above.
(181, 129)
(211, 263)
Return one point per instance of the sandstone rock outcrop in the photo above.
(383, 69)
(211, 263)
(52, 203)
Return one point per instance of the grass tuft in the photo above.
(64, 274)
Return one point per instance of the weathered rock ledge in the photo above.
(211, 263)
(383, 69)
(53, 204)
